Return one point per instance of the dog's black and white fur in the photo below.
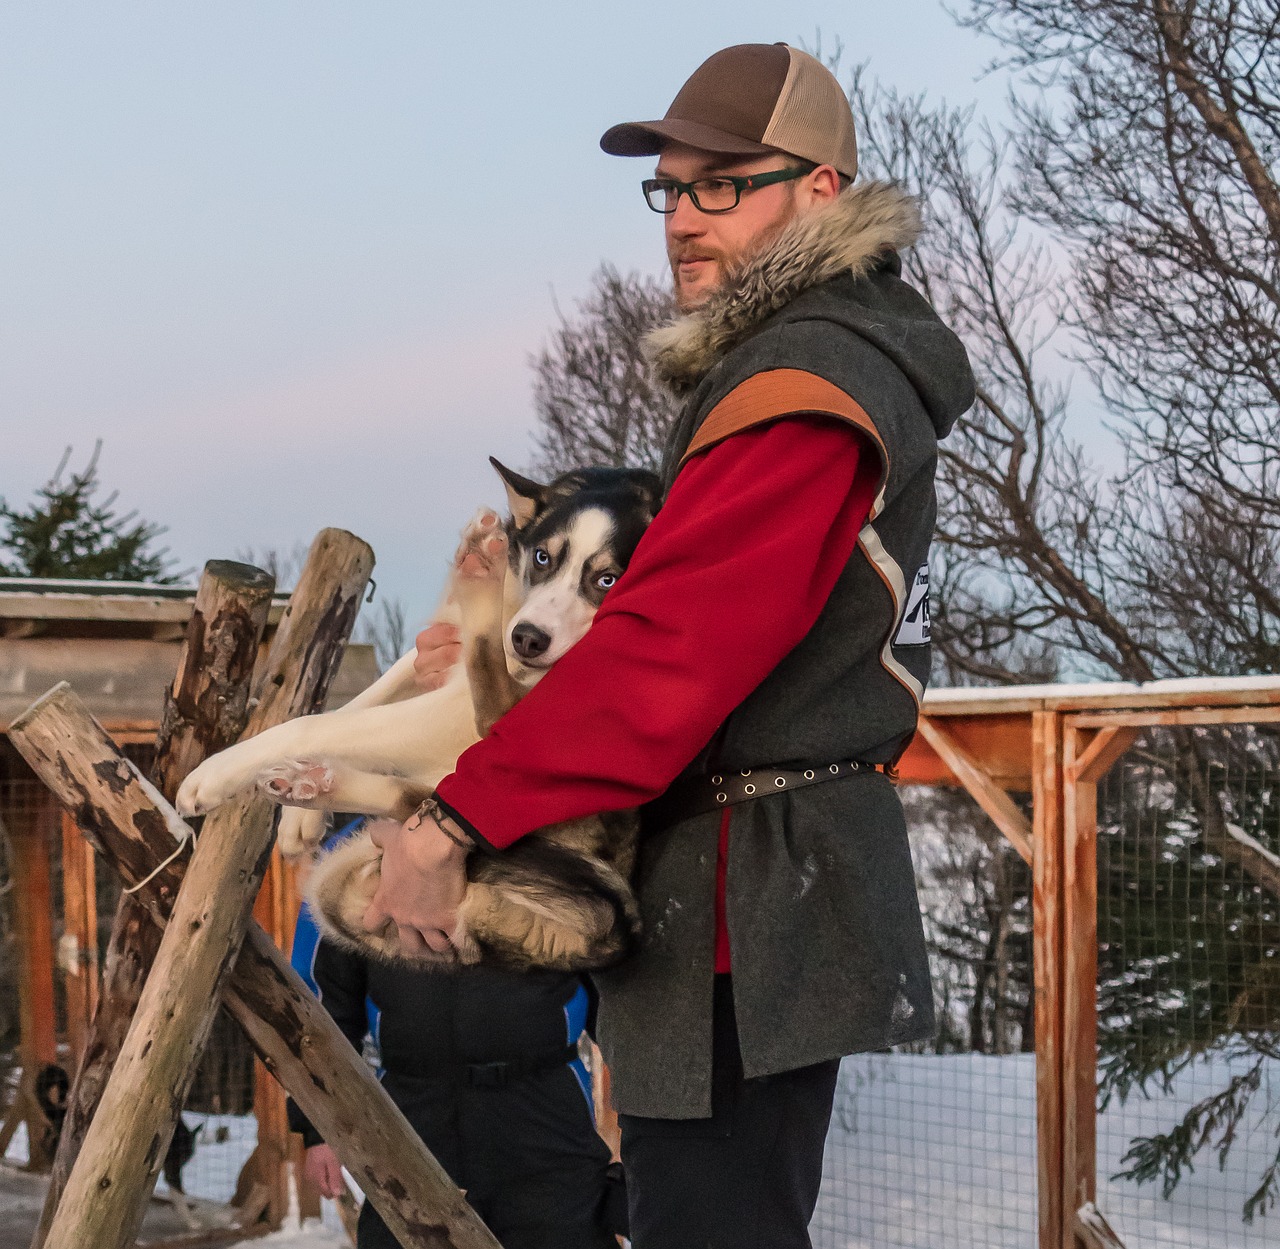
(522, 593)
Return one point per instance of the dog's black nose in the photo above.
(529, 641)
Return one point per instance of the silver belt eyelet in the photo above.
(746, 771)
(835, 767)
(716, 780)
(751, 789)
(780, 781)
(808, 775)
(722, 797)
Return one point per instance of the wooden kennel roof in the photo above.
(117, 643)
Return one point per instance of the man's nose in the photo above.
(686, 221)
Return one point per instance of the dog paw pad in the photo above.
(297, 780)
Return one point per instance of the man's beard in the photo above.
(728, 263)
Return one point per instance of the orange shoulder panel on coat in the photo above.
(773, 394)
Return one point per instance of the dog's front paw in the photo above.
(296, 781)
(481, 557)
(300, 831)
(212, 783)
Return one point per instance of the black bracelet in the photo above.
(430, 807)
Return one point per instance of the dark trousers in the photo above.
(527, 1155)
(748, 1177)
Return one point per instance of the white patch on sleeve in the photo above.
(914, 630)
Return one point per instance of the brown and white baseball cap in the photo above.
(748, 100)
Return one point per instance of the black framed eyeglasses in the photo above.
(711, 195)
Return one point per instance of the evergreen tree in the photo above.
(66, 532)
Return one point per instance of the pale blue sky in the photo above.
(289, 260)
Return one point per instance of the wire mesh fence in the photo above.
(220, 1130)
(935, 1144)
(1188, 1144)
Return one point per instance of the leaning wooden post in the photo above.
(292, 1032)
(124, 1148)
(205, 711)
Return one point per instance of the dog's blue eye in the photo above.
(540, 557)
(605, 580)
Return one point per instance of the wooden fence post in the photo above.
(1047, 791)
(205, 710)
(1086, 758)
(290, 1029)
(78, 948)
(124, 1148)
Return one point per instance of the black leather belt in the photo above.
(700, 794)
(495, 1075)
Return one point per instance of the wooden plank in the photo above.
(1080, 984)
(33, 903)
(1251, 714)
(994, 801)
(1047, 968)
(1104, 750)
(1116, 695)
(1093, 1230)
(78, 948)
(120, 1158)
(271, 1158)
(1000, 743)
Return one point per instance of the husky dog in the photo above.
(522, 594)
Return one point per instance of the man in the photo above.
(755, 672)
(485, 1067)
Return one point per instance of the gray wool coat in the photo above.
(828, 948)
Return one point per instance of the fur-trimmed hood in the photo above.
(850, 236)
(856, 237)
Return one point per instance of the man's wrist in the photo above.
(430, 808)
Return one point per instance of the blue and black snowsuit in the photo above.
(484, 1065)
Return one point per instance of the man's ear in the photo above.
(525, 498)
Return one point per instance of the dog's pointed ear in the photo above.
(649, 487)
(525, 498)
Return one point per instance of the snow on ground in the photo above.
(928, 1150)
(308, 1235)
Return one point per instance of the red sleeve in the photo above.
(732, 573)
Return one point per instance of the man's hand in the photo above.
(424, 875)
(324, 1170)
(439, 648)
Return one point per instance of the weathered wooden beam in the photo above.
(205, 711)
(208, 704)
(999, 807)
(291, 1031)
(1105, 748)
(337, 1091)
(124, 1148)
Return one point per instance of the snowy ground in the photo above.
(929, 1151)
